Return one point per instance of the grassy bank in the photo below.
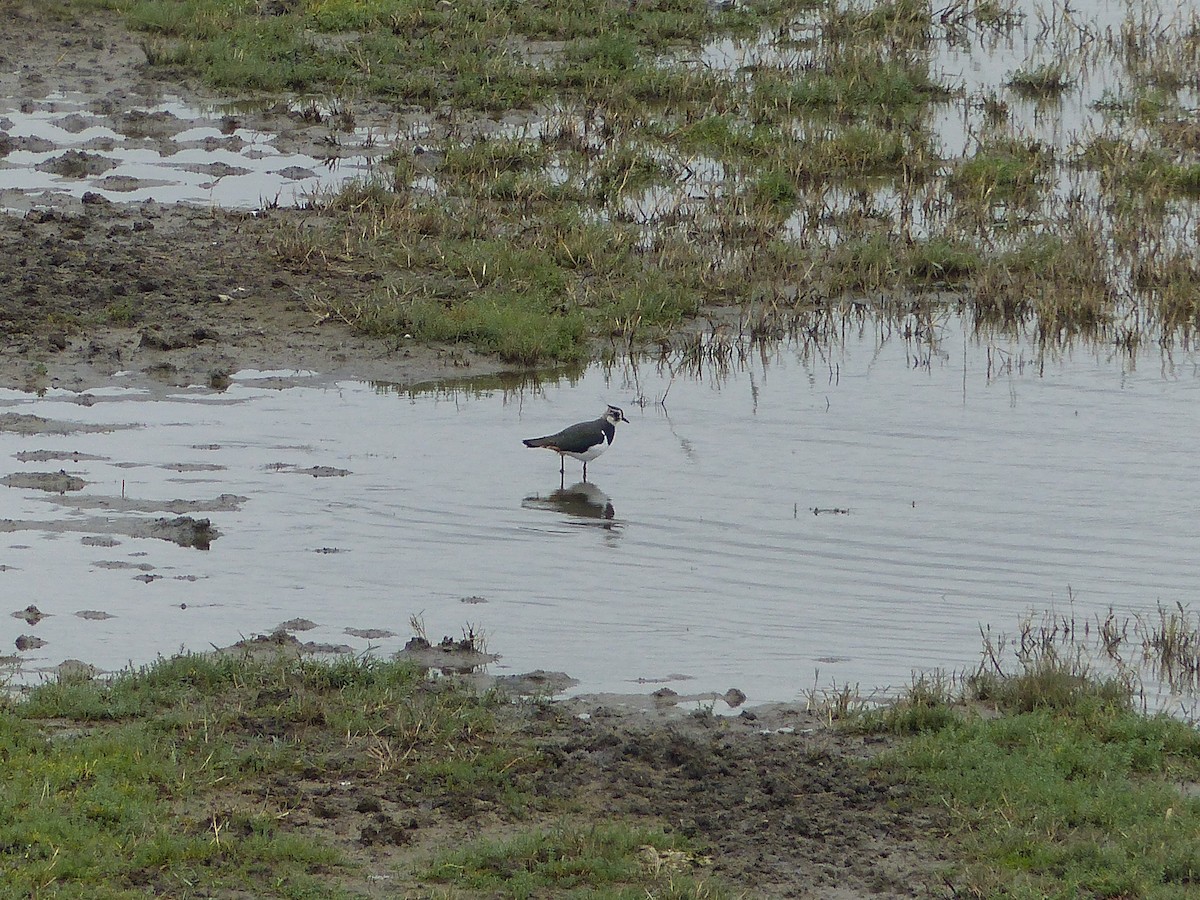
(208, 776)
(1056, 787)
(204, 776)
(605, 172)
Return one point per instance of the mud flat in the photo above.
(165, 294)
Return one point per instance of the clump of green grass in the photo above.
(906, 22)
(1002, 170)
(773, 189)
(929, 704)
(1075, 805)
(942, 260)
(995, 15)
(613, 859)
(151, 780)
(1044, 81)
(516, 327)
(855, 84)
(725, 137)
(1067, 792)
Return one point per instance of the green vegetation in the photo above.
(1067, 803)
(659, 159)
(1056, 785)
(603, 860)
(203, 770)
(162, 779)
(218, 770)
(1041, 81)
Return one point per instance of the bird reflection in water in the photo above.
(581, 500)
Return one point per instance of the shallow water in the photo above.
(956, 489)
(174, 153)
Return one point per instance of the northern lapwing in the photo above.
(584, 441)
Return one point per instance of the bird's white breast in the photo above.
(590, 453)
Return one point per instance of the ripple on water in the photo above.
(964, 502)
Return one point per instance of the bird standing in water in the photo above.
(583, 441)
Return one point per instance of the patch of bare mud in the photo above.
(182, 530)
(280, 642)
(51, 482)
(54, 455)
(24, 423)
(221, 503)
(370, 634)
(171, 295)
(122, 564)
(314, 471)
(296, 625)
(94, 614)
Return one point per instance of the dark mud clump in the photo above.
(76, 164)
(314, 471)
(182, 530)
(31, 614)
(99, 540)
(23, 423)
(296, 625)
(450, 656)
(52, 482)
(370, 634)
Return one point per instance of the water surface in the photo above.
(842, 514)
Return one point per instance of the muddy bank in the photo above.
(178, 296)
(165, 294)
(182, 530)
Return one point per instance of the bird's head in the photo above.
(614, 415)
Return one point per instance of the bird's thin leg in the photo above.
(585, 471)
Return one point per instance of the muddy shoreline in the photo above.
(168, 295)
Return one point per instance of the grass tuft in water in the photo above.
(1041, 81)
